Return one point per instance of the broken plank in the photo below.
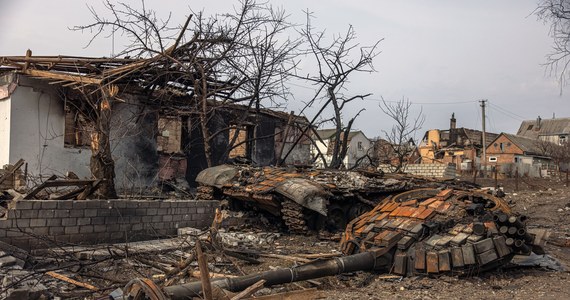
(285, 257)
(72, 281)
(11, 170)
(250, 290)
(307, 294)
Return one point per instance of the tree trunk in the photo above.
(102, 163)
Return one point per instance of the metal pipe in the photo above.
(317, 269)
(512, 231)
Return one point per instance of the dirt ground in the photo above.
(545, 202)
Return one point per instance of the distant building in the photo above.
(460, 146)
(358, 146)
(385, 153)
(511, 152)
(556, 130)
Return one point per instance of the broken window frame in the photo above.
(78, 135)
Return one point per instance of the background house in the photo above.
(555, 130)
(358, 146)
(460, 146)
(512, 153)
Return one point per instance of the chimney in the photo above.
(452, 122)
(538, 123)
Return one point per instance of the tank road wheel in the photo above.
(292, 214)
(336, 219)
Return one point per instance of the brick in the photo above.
(151, 211)
(200, 210)
(165, 204)
(141, 212)
(86, 229)
(49, 204)
(103, 212)
(41, 230)
(71, 230)
(167, 218)
(111, 220)
(79, 204)
(153, 204)
(117, 235)
(83, 221)
(137, 227)
(161, 211)
(37, 222)
(37, 205)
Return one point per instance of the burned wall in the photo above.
(33, 224)
(133, 145)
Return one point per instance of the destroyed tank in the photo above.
(434, 231)
(306, 199)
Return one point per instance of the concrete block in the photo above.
(37, 222)
(46, 213)
(22, 223)
(98, 221)
(59, 213)
(76, 212)
(161, 211)
(24, 204)
(86, 229)
(71, 230)
(80, 204)
(117, 236)
(153, 204)
(28, 214)
(165, 204)
(137, 227)
(156, 219)
(57, 230)
(167, 218)
(111, 220)
(99, 228)
(177, 218)
(93, 203)
(65, 204)
(53, 222)
(141, 212)
(41, 230)
(90, 212)
(103, 212)
(200, 210)
(49, 204)
(69, 221)
(83, 221)
(151, 211)
(37, 205)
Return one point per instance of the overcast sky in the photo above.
(443, 56)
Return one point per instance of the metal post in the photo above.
(484, 138)
(517, 179)
(496, 180)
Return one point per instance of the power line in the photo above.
(422, 103)
(508, 111)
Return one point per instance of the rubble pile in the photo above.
(431, 231)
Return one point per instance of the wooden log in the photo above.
(72, 281)
(204, 276)
(285, 257)
(308, 294)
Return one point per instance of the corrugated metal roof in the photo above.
(556, 126)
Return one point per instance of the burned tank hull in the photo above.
(306, 198)
(433, 231)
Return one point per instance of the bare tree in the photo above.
(336, 61)
(400, 139)
(557, 14)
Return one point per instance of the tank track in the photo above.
(293, 217)
(205, 192)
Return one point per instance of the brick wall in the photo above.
(35, 224)
(427, 170)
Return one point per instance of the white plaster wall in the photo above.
(37, 129)
(5, 131)
(353, 153)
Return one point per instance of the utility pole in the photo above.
(484, 158)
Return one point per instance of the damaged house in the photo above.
(460, 146)
(57, 112)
